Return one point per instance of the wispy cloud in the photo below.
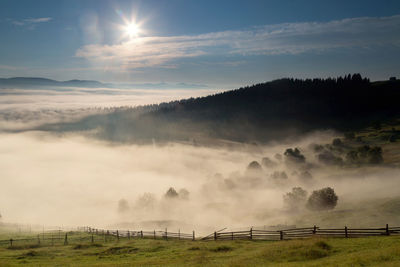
(30, 22)
(286, 38)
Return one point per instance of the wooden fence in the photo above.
(307, 232)
(88, 234)
(48, 238)
(140, 234)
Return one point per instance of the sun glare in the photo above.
(132, 30)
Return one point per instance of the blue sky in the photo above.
(217, 43)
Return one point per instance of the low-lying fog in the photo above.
(71, 179)
(26, 108)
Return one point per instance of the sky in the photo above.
(220, 44)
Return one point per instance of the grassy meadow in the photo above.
(371, 251)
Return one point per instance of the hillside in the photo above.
(262, 112)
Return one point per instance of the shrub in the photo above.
(294, 156)
(375, 155)
(267, 162)
(316, 147)
(349, 135)
(254, 165)
(278, 157)
(305, 175)
(323, 245)
(184, 193)
(279, 175)
(229, 184)
(352, 157)
(323, 199)
(296, 198)
(337, 142)
(222, 248)
(171, 193)
(377, 125)
(123, 205)
(329, 158)
(365, 154)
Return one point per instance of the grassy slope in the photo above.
(374, 251)
(375, 212)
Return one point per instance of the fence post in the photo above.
(108, 233)
(38, 239)
(129, 235)
(11, 241)
(166, 234)
(66, 239)
(92, 238)
(314, 230)
(193, 236)
(154, 234)
(117, 235)
(281, 235)
(251, 233)
(387, 229)
(179, 234)
(345, 232)
(215, 235)
(232, 235)
(141, 233)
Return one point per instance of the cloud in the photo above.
(285, 38)
(31, 22)
(38, 20)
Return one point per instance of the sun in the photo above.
(132, 29)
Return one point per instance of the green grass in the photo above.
(373, 251)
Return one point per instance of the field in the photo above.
(370, 251)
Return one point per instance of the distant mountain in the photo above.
(37, 83)
(262, 112)
(33, 82)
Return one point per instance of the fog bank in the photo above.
(72, 180)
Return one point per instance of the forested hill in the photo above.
(260, 112)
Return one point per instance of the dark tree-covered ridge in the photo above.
(260, 112)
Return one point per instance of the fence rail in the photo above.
(140, 234)
(88, 234)
(297, 233)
